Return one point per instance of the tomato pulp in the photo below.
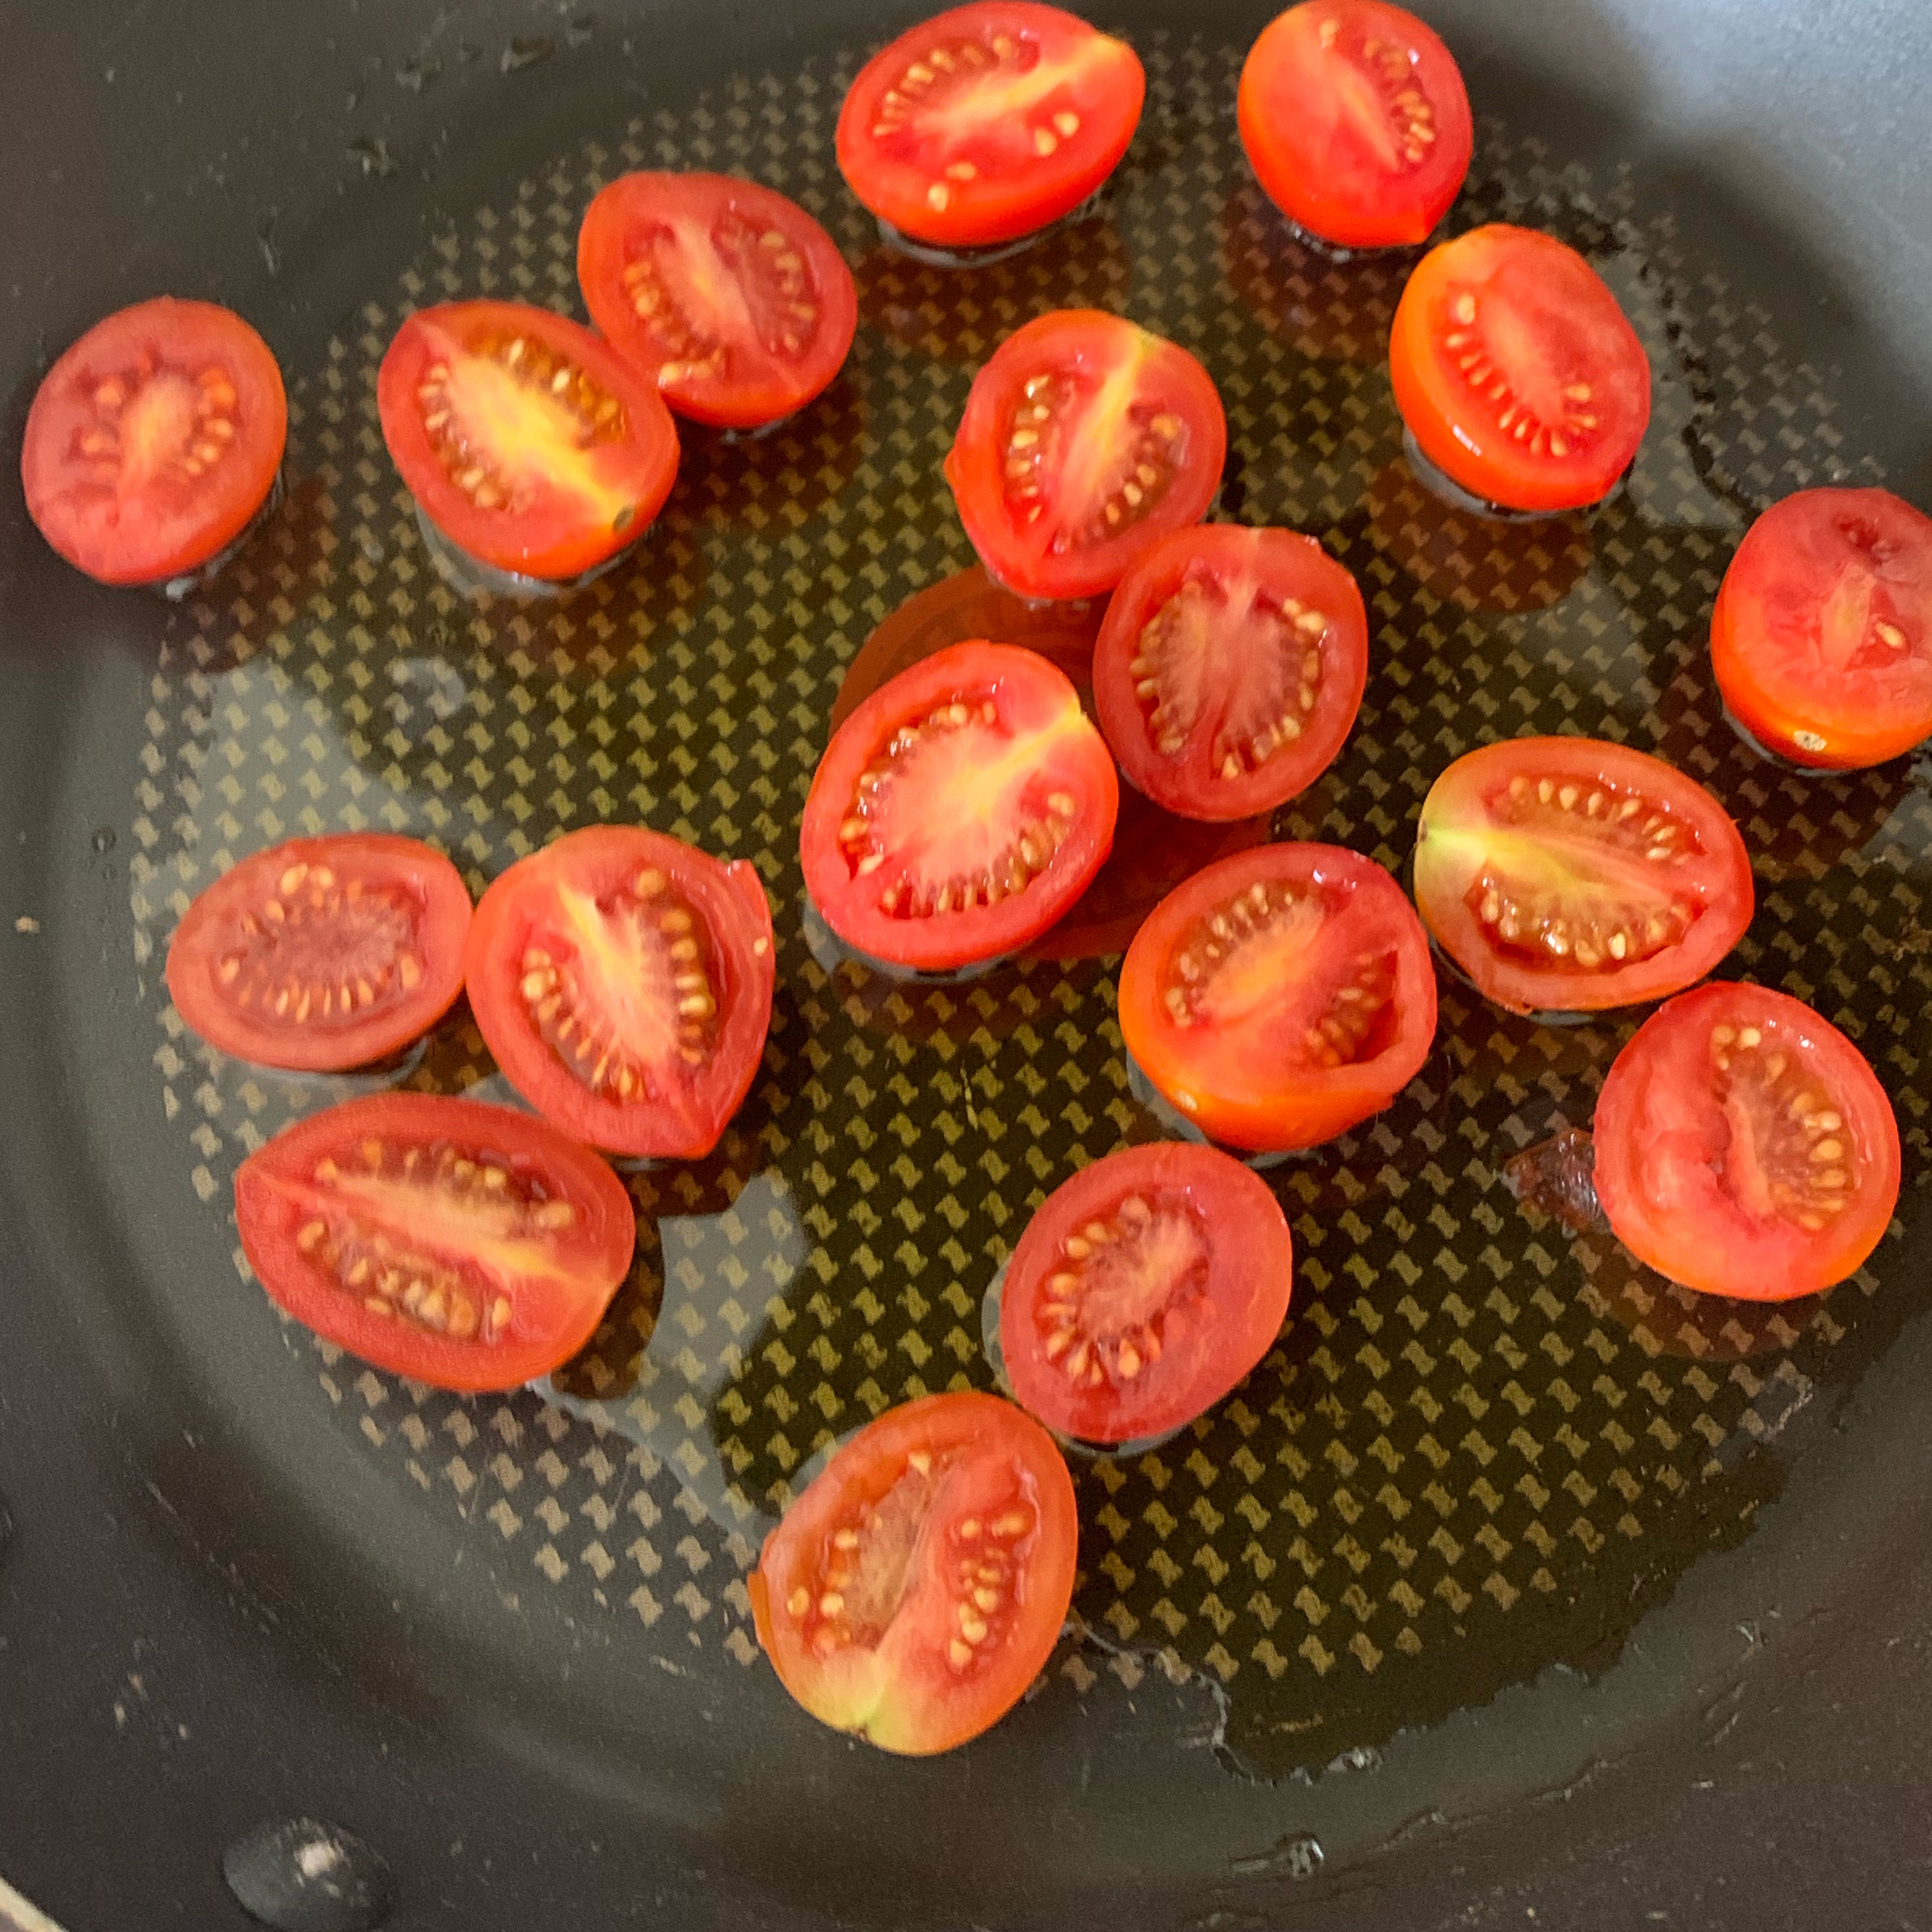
(1280, 996)
(1744, 1147)
(469, 1246)
(918, 1587)
(623, 980)
(1230, 668)
(153, 440)
(1143, 1290)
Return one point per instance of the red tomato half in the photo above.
(729, 298)
(988, 121)
(153, 440)
(1355, 121)
(322, 954)
(1083, 440)
(469, 1246)
(1230, 668)
(1821, 636)
(1516, 371)
(530, 443)
(1280, 996)
(959, 811)
(1143, 1290)
(1565, 874)
(919, 1585)
(1744, 1147)
(623, 981)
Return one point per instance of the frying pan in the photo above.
(1513, 1588)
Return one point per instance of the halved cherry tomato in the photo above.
(1143, 1290)
(623, 981)
(1565, 874)
(1280, 996)
(729, 298)
(1516, 372)
(959, 811)
(1355, 121)
(1821, 636)
(322, 954)
(530, 443)
(1744, 1147)
(1230, 668)
(153, 440)
(469, 1246)
(988, 121)
(917, 1588)
(1083, 440)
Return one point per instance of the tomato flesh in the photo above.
(1230, 668)
(1143, 1291)
(1744, 1147)
(1356, 122)
(469, 1247)
(153, 440)
(958, 811)
(322, 954)
(1516, 372)
(623, 981)
(1084, 441)
(1565, 874)
(1822, 635)
(988, 121)
(729, 297)
(1280, 996)
(525, 439)
(918, 1587)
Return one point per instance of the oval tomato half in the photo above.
(729, 297)
(1744, 1147)
(1565, 874)
(988, 121)
(322, 954)
(530, 443)
(1143, 1291)
(469, 1247)
(1822, 635)
(623, 981)
(1083, 440)
(1230, 668)
(1280, 996)
(1517, 373)
(153, 440)
(958, 811)
(1355, 121)
(918, 1587)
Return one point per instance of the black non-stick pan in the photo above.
(1514, 1588)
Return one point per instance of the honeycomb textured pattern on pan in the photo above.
(1478, 1448)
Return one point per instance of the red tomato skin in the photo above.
(211, 929)
(84, 517)
(1286, 563)
(556, 1313)
(1721, 885)
(558, 533)
(683, 1126)
(1105, 87)
(770, 387)
(1660, 1142)
(1556, 294)
(1769, 646)
(903, 1696)
(1291, 112)
(1251, 1277)
(1230, 1090)
(1089, 344)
